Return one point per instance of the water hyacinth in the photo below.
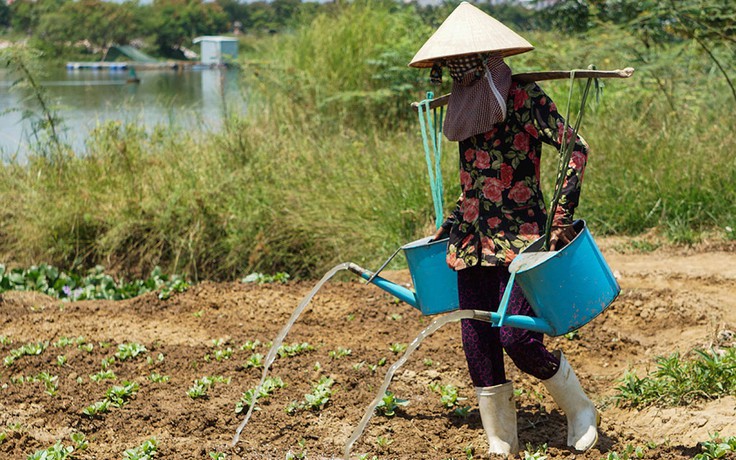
(96, 284)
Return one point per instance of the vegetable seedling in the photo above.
(270, 385)
(97, 408)
(397, 348)
(103, 375)
(145, 451)
(383, 442)
(155, 377)
(119, 395)
(250, 345)
(255, 361)
(317, 399)
(294, 349)
(389, 403)
(129, 351)
(201, 386)
(340, 352)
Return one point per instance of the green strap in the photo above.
(433, 125)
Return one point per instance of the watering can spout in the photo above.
(394, 289)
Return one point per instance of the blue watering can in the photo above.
(565, 288)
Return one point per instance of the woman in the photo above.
(500, 125)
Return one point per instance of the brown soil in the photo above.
(671, 301)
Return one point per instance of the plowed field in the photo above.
(672, 300)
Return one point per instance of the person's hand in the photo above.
(560, 236)
(439, 234)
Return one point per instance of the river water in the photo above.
(85, 98)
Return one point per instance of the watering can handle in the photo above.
(505, 300)
(384, 265)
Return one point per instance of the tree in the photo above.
(709, 23)
(26, 14)
(100, 23)
(4, 14)
(175, 23)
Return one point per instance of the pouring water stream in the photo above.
(433, 327)
(280, 339)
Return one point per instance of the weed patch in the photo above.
(677, 381)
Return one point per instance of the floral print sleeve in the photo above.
(551, 126)
(454, 216)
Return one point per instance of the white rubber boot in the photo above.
(498, 414)
(582, 416)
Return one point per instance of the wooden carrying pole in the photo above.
(529, 77)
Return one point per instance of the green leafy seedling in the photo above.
(129, 351)
(250, 345)
(383, 442)
(340, 352)
(155, 377)
(317, 399)
(270, 385)
(294, 349)
(389, 403)
(119, 395)
(56, 452)
(540, 453)
(103, 375)
(397, 348)
(255, 361)
(145, 451)
(96, 409)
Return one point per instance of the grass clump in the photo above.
(677, 381)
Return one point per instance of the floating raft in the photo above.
(97, 65)
(115, 66)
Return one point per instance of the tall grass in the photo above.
(327, 165)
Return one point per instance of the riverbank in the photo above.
(328, 166)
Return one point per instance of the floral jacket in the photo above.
(501, 209)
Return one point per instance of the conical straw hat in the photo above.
(469, 30)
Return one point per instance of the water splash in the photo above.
(271, 356)
(436, 324)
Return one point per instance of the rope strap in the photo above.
(432, 125)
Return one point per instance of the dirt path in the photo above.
(669, 302)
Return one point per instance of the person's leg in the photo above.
(478, 290)
(525, 348)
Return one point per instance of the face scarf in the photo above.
(480, 86)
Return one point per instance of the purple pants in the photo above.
(481, 288)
